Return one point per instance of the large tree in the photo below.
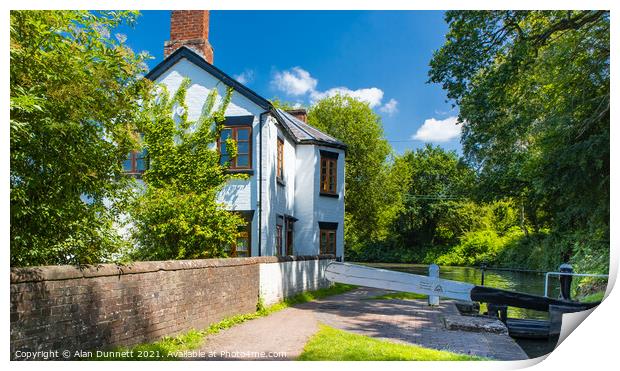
(533, 92)
(371, 187)
(75, 95)
(436, 207)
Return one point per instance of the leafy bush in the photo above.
(473, 249)
(76, 95)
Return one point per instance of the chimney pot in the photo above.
(300, 113)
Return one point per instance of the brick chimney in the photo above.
(190, 28)
(299, 113)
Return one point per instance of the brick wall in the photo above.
(65, 308)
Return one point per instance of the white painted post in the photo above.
(433, 271)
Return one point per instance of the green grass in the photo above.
(398, 295)
(592, 298)
(166, 348)
(331, 344)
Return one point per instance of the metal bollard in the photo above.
(433, 271)
(565, 280)
(499, 311)
(483, 266)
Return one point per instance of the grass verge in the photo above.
(168, 347)
(592, 298)
(331, 344)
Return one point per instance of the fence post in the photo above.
(433, 271)
(565, 280)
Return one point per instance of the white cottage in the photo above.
(293, 199)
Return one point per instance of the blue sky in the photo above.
(299, 56)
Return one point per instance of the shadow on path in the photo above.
(282, 335)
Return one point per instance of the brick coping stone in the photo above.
(67, 272)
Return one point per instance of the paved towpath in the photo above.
(282, 335)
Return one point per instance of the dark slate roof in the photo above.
(298, 130)
(304, 133)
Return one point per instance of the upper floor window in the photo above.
(135, 162)
(242, 137)
(329, 173)
(280, 160)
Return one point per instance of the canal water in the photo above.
(526, 282)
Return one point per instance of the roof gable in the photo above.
(190, 55)
(298, 130)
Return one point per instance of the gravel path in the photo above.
(282, 335)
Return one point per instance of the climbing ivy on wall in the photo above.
(177, 215)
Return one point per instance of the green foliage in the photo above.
(435, 210)
(331, 344)
(76, 94)
(597, 297)
(477, 247)
(284, 105)
(177, 216)
(372, 187)
(533, 93)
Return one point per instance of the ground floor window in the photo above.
(243, 244)
(289, 235)
(278, 240)
(327, 238)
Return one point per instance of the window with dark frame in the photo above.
(329, 174)
(135, 163)
(278, 240)
(327, 241)
(289, 236)
(242, 245)
(280, 160)
(242, 135)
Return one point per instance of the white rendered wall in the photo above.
(312, 208)
(284, 279)
(237, 194)
(306, 229)
(330, 209)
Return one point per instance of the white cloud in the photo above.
(391, 107)
(245, 77)
(372, 96)
(434, 130)
(296, 81)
